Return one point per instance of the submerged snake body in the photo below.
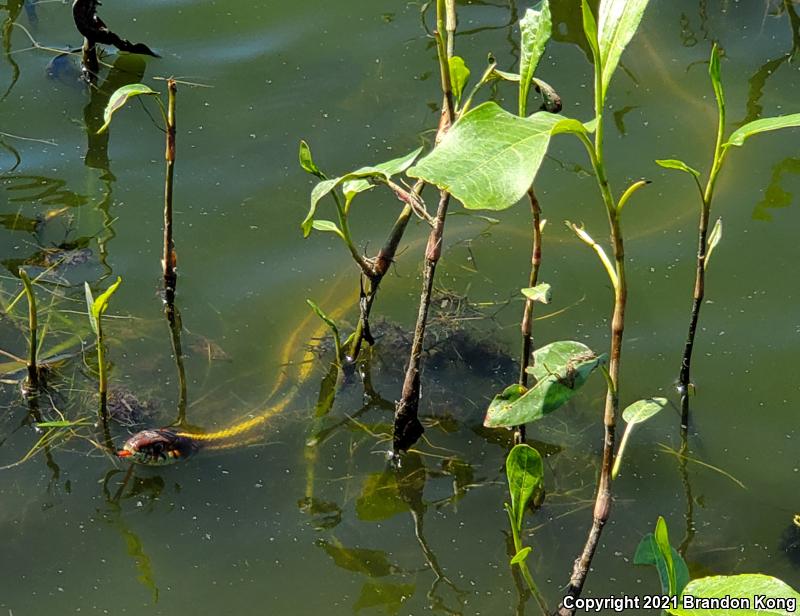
(162, 446)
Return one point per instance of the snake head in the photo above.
(156, 447)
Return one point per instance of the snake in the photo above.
(167, 445)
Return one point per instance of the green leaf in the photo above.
(648, 553)
(561, 368)
(387, 169)
(489, 158)
(716, 81)
(100, 304)
(739, 136)
(590, 30)
(671, 163)
(665, 549)
(325, 318)
(540, 293)
(355, 182)
(525, 473)
(307, 162)
(521, 556)
(713, 239)
(327, 225)
(459, 76)
(535, 28)
(89, 303)
(380, 498)
(749, 585)
(617, 23)
(119, 98)
(643, 410)
(373, 563)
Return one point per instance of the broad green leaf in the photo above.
(560, 368)
(307, 162)
(119, 98)
(749, 585)
(540, 293)
(327, 225)
(389, 168)
(459, 76)
(647, 553)
(617, 22)
(535, 28)
(355, 182)
(739, 136)
(716, 81)
(489, 158)
(643, 410)
(521, 556)
(100, 304)
(525, 474)
(665, 550)
(713, 240)
(671, 163)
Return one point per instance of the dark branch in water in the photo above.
(94, 29)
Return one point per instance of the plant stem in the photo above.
(32, 382)
(175, 327)
(102, 387)
(602, 505)
(527, 316)
(168, 260)
(407, 427)
(684, 379)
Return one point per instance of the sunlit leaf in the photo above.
(307, 162)
(355, 182)
(327, 225)
(739, 136)
(521, 556)
(525, 474)
(489, 158)
(388, 169)
(649, 552)
(561, 369)
(643, 410)
(715, 73)
(535, 28)
(459, 76)
(749, 585)
(590, 29)
(540, 293)
(617, 22)
(714, 239)
(100, 304)
(671, 163)
(119, 98)
(665, 550)
(325, 318)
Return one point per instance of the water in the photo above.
(235, 531)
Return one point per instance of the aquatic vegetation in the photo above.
(96, 309)
(708, 241)
(748, 593)
(32, 383)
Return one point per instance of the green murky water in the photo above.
(280, 528)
